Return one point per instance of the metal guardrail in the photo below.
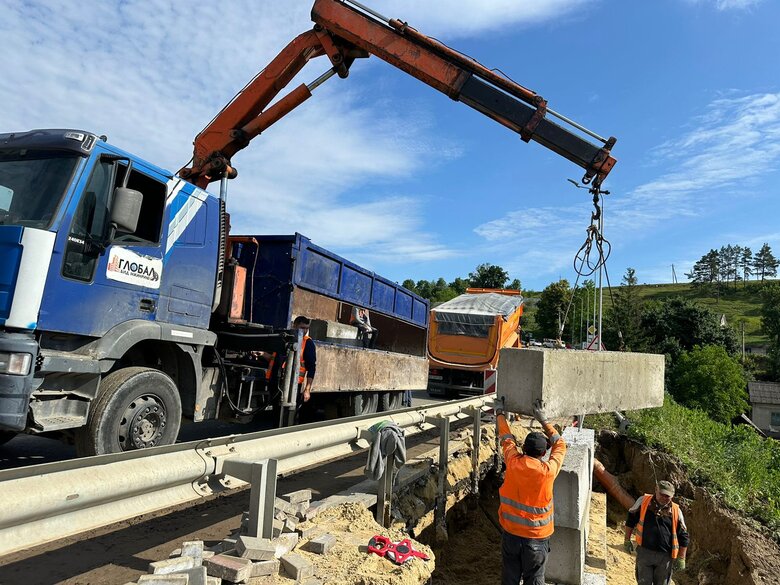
(43, 503)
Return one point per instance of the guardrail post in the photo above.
(440, 513)
(475, 444)
(262, 476)
(384, 492)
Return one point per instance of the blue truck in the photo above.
(125, 307)
(126, 304)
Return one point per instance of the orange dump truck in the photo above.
(465, 337)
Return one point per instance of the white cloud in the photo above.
(729, 4)
(151, 74)
(733, 143)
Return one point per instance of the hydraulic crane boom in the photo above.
(345, 30)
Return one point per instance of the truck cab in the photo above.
(105, 258)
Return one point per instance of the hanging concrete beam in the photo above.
(572, 382)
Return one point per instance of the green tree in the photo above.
(746, 263)
(764, 263)
(709, 379)
(409, 284)
(459, 285)
(551, 309)
(515, 285)
(706, 273)
(678, 324)
(770, 323)
(624, 321)
(488, 276)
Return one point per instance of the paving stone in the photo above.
(173, 565)
(230, 568)
(197, 576)
(263, 568)
(175, 553)
(285, 543)
(290, 524)
(207, 554)
(312, 581)
(192, 548)
(277, 529)
(284, 506)
(309, 530)
(322, 544)
(256, 549)
(280, 515)
(297, 566)
(213, 581)
(298, 496)
(301, 512)
(173, 579)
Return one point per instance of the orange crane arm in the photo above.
(345, 30)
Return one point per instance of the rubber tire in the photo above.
(6, 436)
(117, 391)
(361, 403)
(391, 401)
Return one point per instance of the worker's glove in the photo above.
(539, 413)
(498, 405)
(679, 564)
(629, 546)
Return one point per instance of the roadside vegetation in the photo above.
(732, 462)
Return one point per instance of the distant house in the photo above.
(765, 400)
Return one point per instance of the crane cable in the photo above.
(584, 265)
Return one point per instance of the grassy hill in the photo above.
(744, 303)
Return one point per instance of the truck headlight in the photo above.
(17, 364)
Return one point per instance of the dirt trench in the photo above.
(726, 548)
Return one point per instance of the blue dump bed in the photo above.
(289, 262)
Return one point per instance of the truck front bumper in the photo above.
(15, 390)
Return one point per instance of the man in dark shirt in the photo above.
(661, 536)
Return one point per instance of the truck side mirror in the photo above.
(126, 209)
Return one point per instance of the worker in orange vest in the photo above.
(526, 508)
(661, 536)
(308, 363)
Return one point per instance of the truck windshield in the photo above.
(32, 184)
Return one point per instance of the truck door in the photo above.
(96, 281)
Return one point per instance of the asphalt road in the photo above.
(25, 450)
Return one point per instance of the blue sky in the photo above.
(399, 178)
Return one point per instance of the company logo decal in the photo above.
(131, 268)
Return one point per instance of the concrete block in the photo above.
(571, 490)
(285, 543)
(277, 529)
(213, 581)
(301, 512)
(284, 506)
(173, 565)
(173, 579)
(192, 548)
(579, 382)
(306, 530)
(565, 563)
(587, 437)
(298, 497)
(175, 553)
(196, 575)
(229, 568)
(264, 568)
(326, 330)
(256, 549)
(341, 369)
(290, 525)
(322, 544)
(594, 579)
(297, 567)
(207, 554)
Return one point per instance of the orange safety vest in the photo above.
(526, 507)
(302, 370)
(675, 520)
(270, 367)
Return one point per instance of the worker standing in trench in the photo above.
(661, 536)
(526, 509)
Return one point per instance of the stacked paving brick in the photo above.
(251, 560)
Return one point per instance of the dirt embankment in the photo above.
(725, 547)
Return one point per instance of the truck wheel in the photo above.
(390, 401)
(6, 436)
(361, 403)
(136, 408)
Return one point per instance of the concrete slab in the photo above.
(342, 369)
(579, 382)
(565, 564)
(571, 490)
(323, 330)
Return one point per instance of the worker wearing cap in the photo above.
(526, 508)
(661, 536)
